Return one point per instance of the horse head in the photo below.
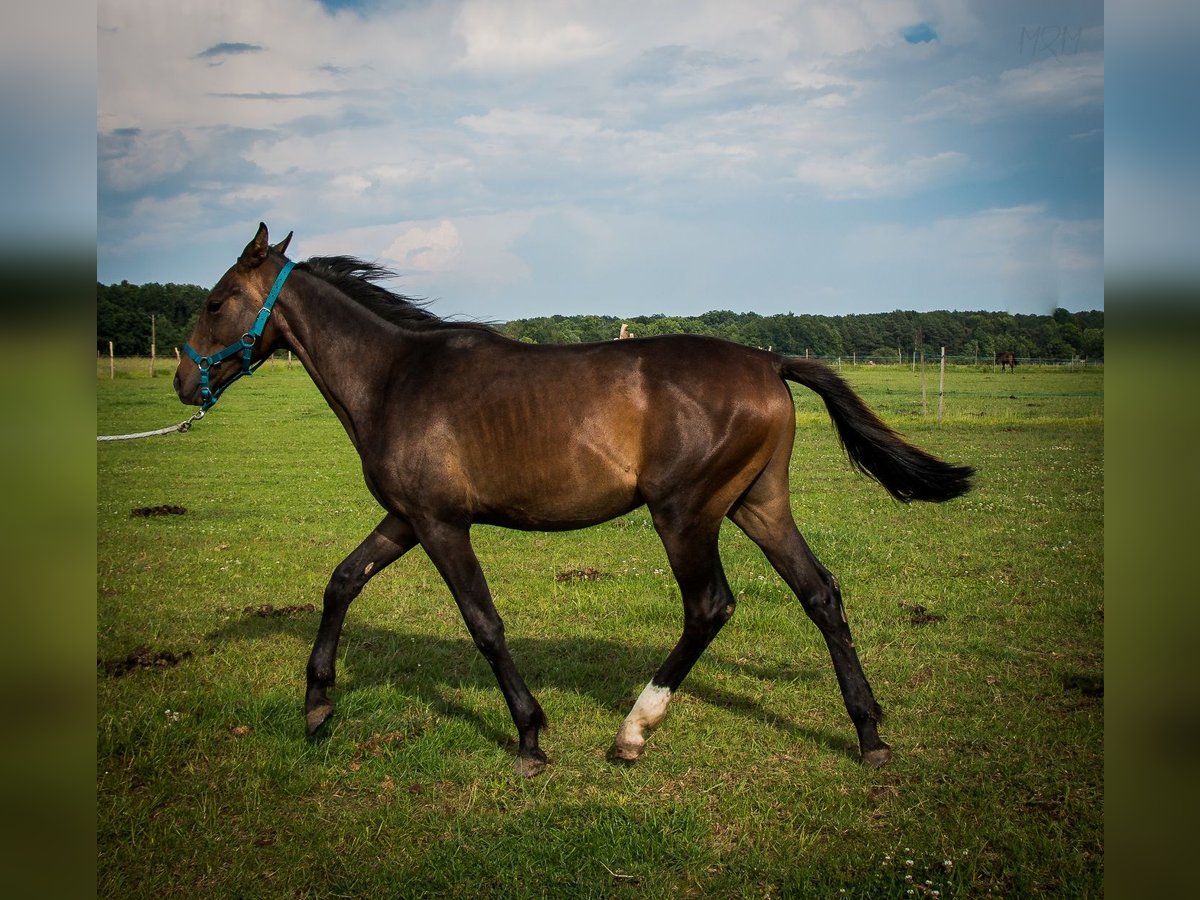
(233, 329)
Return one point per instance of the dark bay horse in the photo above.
(1006, 358)
(457, 424)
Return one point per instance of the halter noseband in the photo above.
(245, 345)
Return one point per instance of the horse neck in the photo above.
(346, 349)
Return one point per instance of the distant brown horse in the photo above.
(1007, 358)
(457, 424)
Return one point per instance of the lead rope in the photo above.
(183, 427)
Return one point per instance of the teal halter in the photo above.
(245, 345)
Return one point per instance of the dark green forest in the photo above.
(123, 314)
(1064, 335)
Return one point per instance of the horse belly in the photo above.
(542, 495)
(563, 476)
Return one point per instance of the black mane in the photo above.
(356, 279)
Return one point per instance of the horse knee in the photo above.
(345, 584)
(824, 602)
(488, 635)
(708, 618)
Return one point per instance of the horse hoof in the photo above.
(530, 766)
(626, 752)
(877, 759)
(317, 717)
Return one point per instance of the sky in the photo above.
(511, 159)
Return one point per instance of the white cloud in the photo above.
(521, 123)
(138, 159)
(1020, 257)
(1055, 83)
(152, 74)
(432, 254)
(831, 100)
(1077, 245)
(425, 249)
(500, 36)
(865, 173)
(351, 183)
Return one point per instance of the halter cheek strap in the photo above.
(245, 345)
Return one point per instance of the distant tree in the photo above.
(123, 314)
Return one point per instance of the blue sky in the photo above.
(515, 159)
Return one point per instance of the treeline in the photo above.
(1063, 335)
(123, 314)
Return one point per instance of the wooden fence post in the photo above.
(942, 388)
(112, 366)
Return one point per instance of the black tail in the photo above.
(907, 472)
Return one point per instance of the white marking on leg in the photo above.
(367, 570)
(647, 713)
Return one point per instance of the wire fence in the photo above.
(915, 360)
(127, 366)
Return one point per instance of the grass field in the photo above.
(980, 625)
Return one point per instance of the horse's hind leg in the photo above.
(390, 540)
(765, 517)
(708, 604)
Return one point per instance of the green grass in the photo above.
(207, 786)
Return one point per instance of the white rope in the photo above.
(182, 428)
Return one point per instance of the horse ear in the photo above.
(282, 246)
(256, 251)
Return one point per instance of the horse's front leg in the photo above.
(390, 540)
(449, 547)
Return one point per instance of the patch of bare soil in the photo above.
(267, 611)
(918, 615)
(585, 574)
(162, 510)
(144, 657)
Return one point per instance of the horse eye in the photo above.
(215, 303)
